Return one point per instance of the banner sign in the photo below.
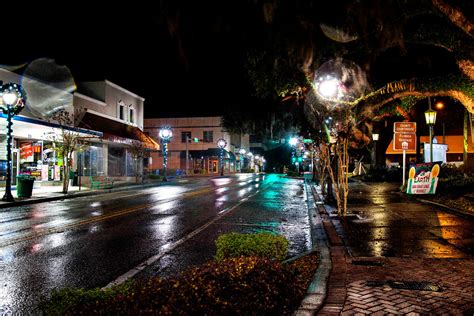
(26, 151)
(423, 178)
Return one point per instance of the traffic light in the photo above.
(293, 159)
(300, 159)
(196, 140)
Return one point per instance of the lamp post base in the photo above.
(165, 179)
(8, 197)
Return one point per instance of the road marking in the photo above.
(170, 246)
(99, 218)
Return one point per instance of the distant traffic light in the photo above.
(196, 140)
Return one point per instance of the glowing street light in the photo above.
(328, 87)
(375, 138)
(221, 143)
(430, 117)
(165, 134)
(293, 141)
(12, 101)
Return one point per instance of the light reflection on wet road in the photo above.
(89, 241)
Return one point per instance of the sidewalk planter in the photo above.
(24, 187)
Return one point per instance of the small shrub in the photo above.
(248, 170)
(234, 286)
(291, 173)
(260, 245)
(383, 174)
(468, 168)
(154, 177)
(456, 186)
(450, 171)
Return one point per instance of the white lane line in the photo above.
(170, 246)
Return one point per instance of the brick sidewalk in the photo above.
(348, 293)
(455, 276)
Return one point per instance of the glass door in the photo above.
(15, 165)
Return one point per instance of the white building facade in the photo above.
(107, 133)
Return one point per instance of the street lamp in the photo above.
(439, 106)
(242, 154)
(430, 117)
(375, 138)
(328, 87)
(293, 141)
(165, 134)
(12, 101)
(221, 143)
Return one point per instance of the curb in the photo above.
(452, 209)
(448, 208)
(76, 195)
(318, 288)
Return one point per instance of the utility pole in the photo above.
(187, 154)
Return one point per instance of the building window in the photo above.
(121, 110)
(208, 136)
(131, 118)
(183, 136)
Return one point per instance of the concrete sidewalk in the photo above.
(370, 288)
(53, 193)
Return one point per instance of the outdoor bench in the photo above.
(101, 182)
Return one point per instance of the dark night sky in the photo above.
(129, 44)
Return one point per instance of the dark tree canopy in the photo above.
(408, 50)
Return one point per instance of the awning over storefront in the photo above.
(211, 152)
(27, 127)
(117, 132)
(454, 142)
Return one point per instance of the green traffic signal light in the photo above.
(196, 140)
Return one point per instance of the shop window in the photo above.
(184, 135)
(208, 136)
(91, 161)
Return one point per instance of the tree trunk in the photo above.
(65, 175)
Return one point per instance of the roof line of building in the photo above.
(85, 97)
(116, 86)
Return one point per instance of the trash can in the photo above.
(75, 180)
(24, 185)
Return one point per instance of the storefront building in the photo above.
(197, 137)
(109, 120)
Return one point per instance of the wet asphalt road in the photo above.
(390, 224)
(90, 241)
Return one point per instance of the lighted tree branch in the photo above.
(456, 16)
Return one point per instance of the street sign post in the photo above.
(404, 138)
(404, 141)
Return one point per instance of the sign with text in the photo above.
(404, 141)
(404, 127)
(26, 150)
(423, 178)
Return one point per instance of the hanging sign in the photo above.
(423, 178)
